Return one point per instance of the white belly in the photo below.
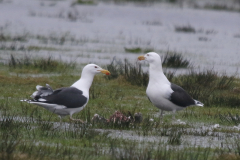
(59, 109)
(159, 97)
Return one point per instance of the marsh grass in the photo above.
(131, 72)
(223, 7)
(49, 64)
(208, 86)
(6, 37)
(31, 132)
(86, 2)
(158, 151)
(10, 136)
(186, 29)
(13, 47)
(141, 1)
(29, 48)
(175, 136)
(138, 50)
(39, 139)
(232, 119)
(175, 60)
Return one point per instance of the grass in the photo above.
(175, 60)
(186, 29)
(221, 7)
(31, 132)
(86, 2)
(6, 37)
(137, 50)
(141, 1)
(40, 48)
(29, 64)
(131, 73)
(214, 89)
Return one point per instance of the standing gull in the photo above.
(67, 100)
(163, 94)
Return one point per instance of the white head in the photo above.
(155, 65)
(94, 69)
(151, 57)
(88, 73)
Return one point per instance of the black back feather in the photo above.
(70, 97)
(180, 97)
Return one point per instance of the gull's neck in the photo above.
(85, 82)
(156, 74)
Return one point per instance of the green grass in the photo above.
(36, 135)
(175, 60)
(85, 2)
(27, 64)
(138, 50)
(41, 48)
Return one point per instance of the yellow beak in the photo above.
(141, 58)
(105, 72)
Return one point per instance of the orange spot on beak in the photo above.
(105, 72)
(141, 58)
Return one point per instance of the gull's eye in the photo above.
(96, 67)
(147, 54)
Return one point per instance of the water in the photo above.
(102, 31)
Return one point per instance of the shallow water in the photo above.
(100, 32)
(212, 139)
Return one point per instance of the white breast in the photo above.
(159, 95)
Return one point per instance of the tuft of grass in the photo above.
(5, 37)
(116, 68)
(138, 50)
(131, 72)
(152, 23)
(49, 64)
(186, 29)
(220, 7)
(86, 2)
(133, 50)
(13, 47)
(175, 136)
(41, 48)
(175, 60)
(208, 86)
(230, 118)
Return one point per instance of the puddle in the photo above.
(212, 139)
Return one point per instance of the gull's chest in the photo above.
(158, 92)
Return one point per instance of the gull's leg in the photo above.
(60, 125)
(76, 119)
(161, 116)
(60, 119)
(173, 116)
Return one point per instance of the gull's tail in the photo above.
(198, 103)
(41, 92)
